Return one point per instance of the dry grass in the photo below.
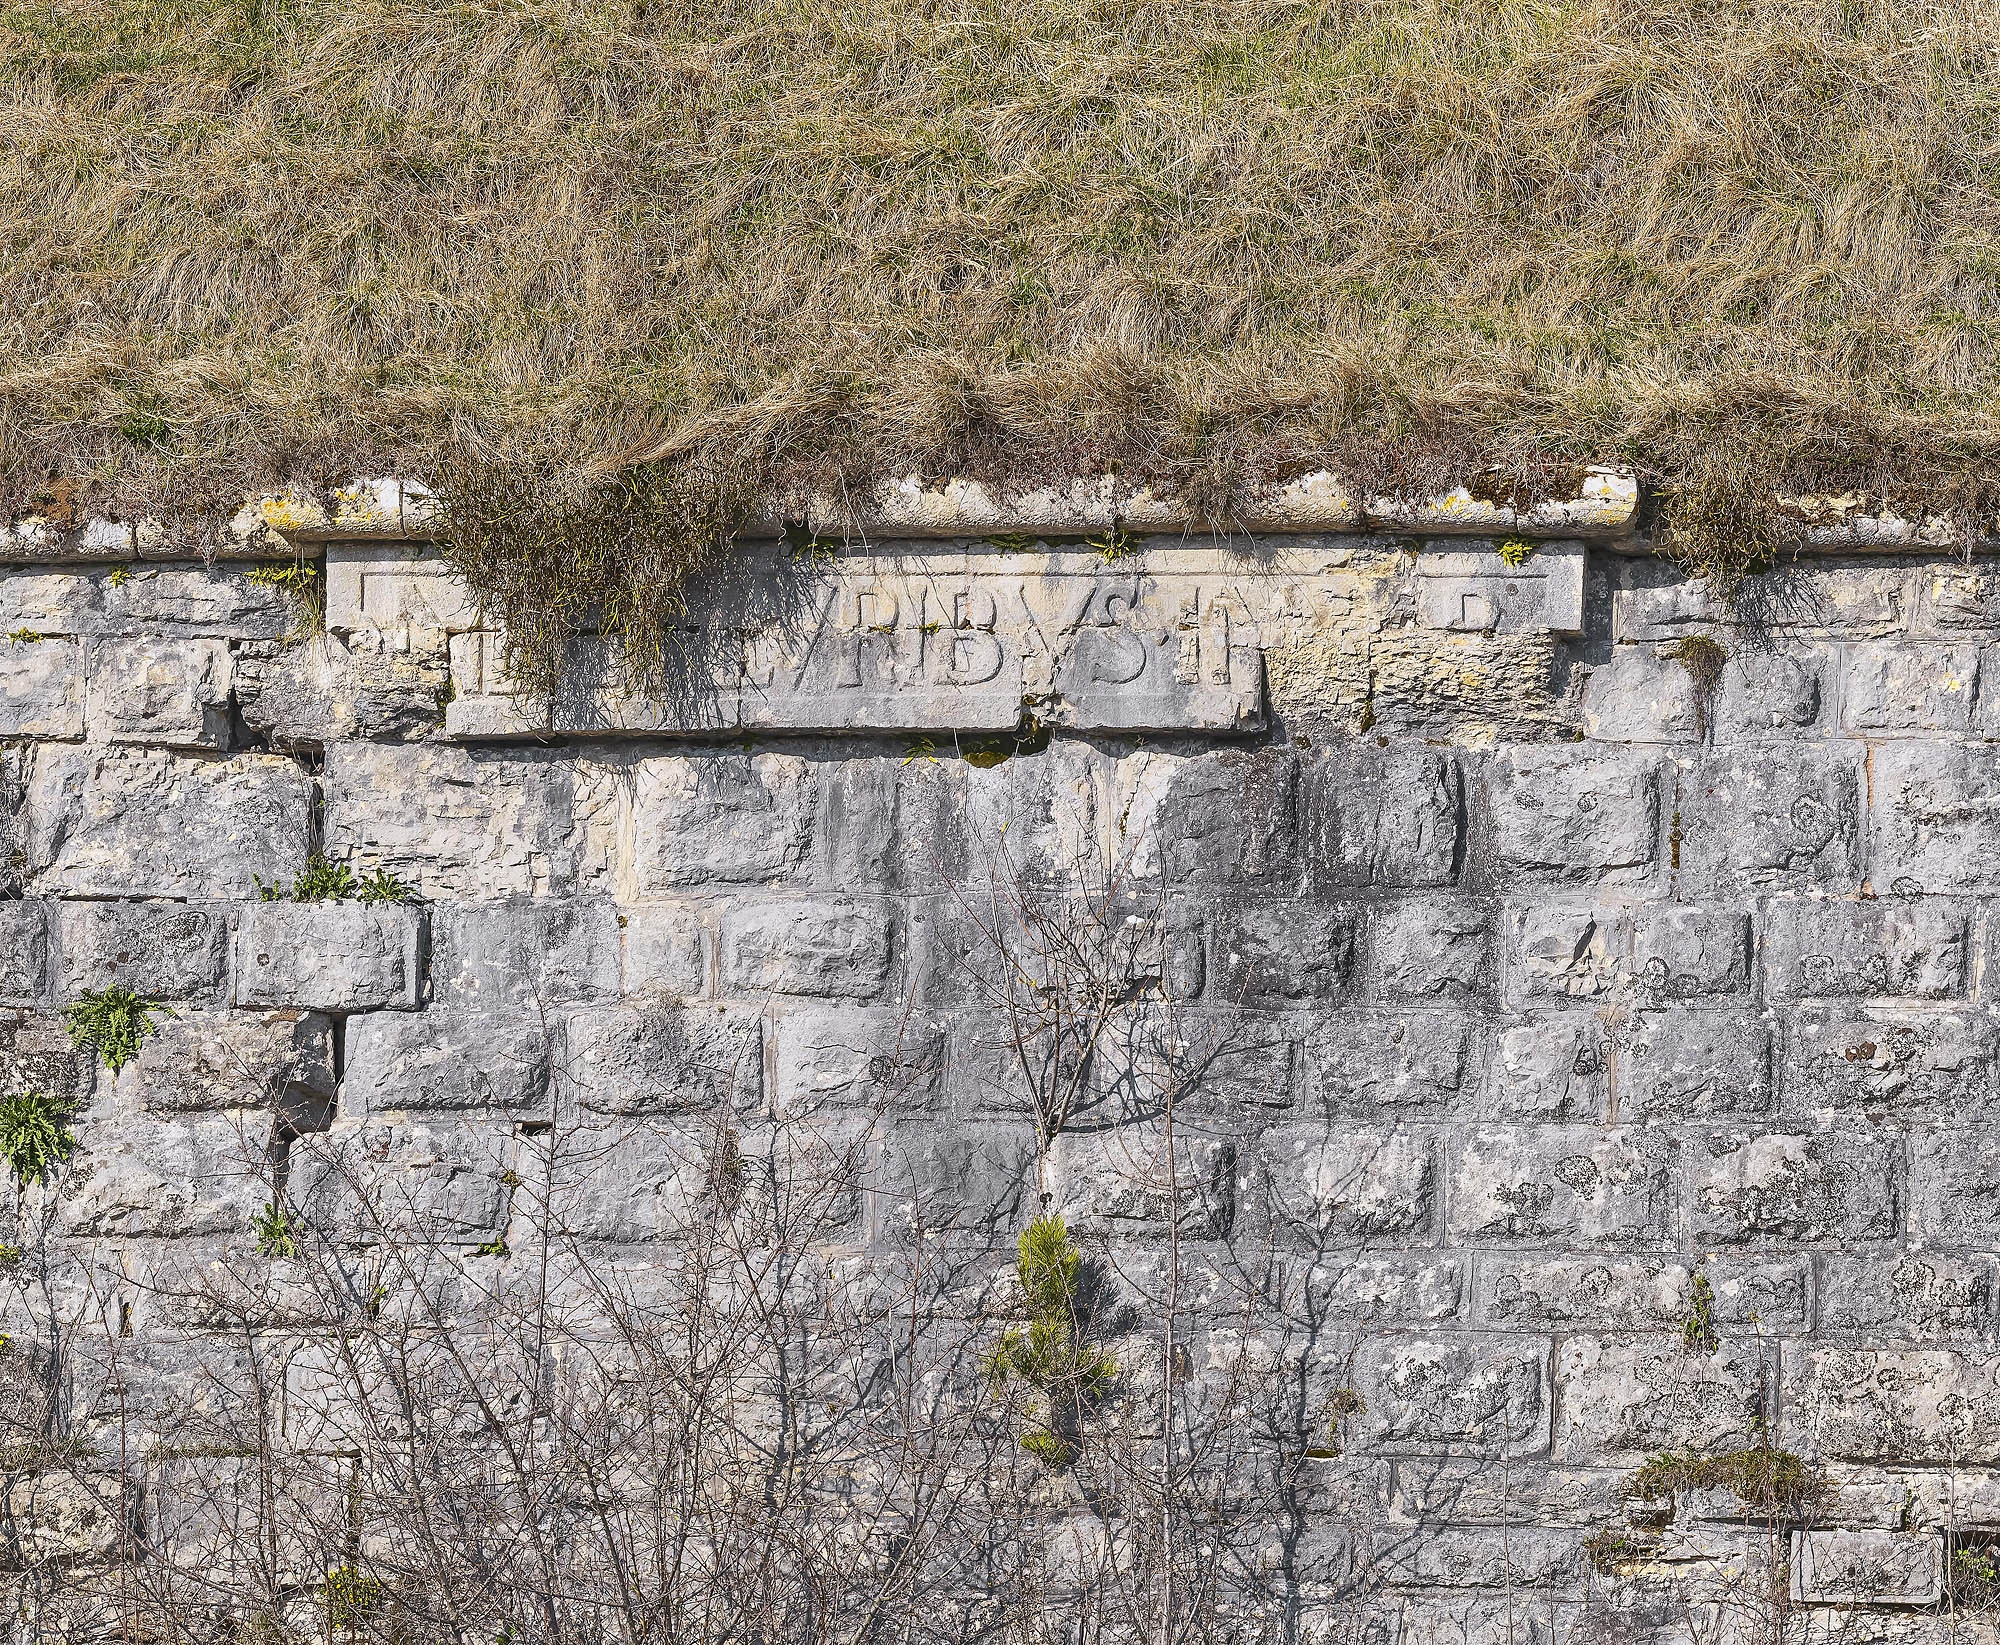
(798, 241)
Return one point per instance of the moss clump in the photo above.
(1763, 1478)
(35, 1137)
(1050, 1355)
(111, 1022)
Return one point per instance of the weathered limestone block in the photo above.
(596, 694)
(524, 953)
(65, 1515)
(1453, 1396)
(1858, 600)
(1126, 1181)
(1568, 813)
(368, 1181)
(330, 956)
(1681, 1062)
(636, 1183)
(1640, 1294)
(840, 1057)
(1231, 819)
(1935, 817)
(664, 1060)
(1597, 1188)
(169, 693)
(322, 689)
(1552, 1068)
(133, 822)
(1475, 686)
(1907, 1406)
(1358, 1064)
(1530, 1559)
(1565, 952)
(1387, 817)
(1643, 695)
(1267, 954)
(160, 951)
(664, 951)
(1833, 1567)
(138, 1177)
(62, 603)
(1919, 1298)
(37, 1054)
(447, 1058)
(395, 587)
(204, 1061)
(24, 951)
(1437, 949)
(1832, 1187)
(1893, 687)
(1914, 948)
(1405, 1290)
(1473, 591)
(1769, 694)
(1457, 1618)
(191, 602)
(1683, 951)
(472, 825)
(41, 685)
(1936, 1063)
(1473, 1490)
(1770, 818)
(832, 949)
(976, 1179)
(1351, 1183)
(720, 819)
(1955, 1187)
(1621, 1401)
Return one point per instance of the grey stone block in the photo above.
(1565, 952)
(161, 951)
(37, 1054)
(138, 1177)
(1905, 1406)
(447, 1058)
(1572, 814)
(1914, 948)
(1682, 951)
(475, 825)
(133, 822)
(524, 953)
(1625, 1400)
(1381, 817)
(1508, 1618)
(829, 948)
(663, 951)
(1835, 1567)
(1955, 1188)
(190, 601)
(720, 819)
(1934, 825)
(370, 1181)
(1642, 695)
(1361, 1063)
(1436, 949)
(876, 1060)
(1463, 1396)
(858, 844)
(1918, 1297)
(1554, 1068)
(665, 1060)
(1388, 1290)
(330, 956)
(976, 1179)
(1473, 1490)
(24, 952)
(1770, 818)
(204, 1061)
(1528, 1560)
(1587, 1187)
(1128, 1180)
(1770, 693)
(1682, 1062)
(1841, 1061)
(634, 1183)
(1641, 1294)
(170, 693)
(325, 688)
(1895, 686)
(41, 688)
(1265, 954)
(1231, 818)
(1350, 1183)
(1825, 1188)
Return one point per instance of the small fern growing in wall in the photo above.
(1049, 1354)
(111, 1022)
(35, 1135)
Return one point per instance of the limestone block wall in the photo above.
(1594, 982)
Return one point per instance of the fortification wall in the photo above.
(1484, 1021)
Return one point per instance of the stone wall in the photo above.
(1598, 979)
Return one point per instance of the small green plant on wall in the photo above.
(326, 881)
(1064, 1373)
(302, 589)
(277, 1234)
(35, 1135)
(111, 1022)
